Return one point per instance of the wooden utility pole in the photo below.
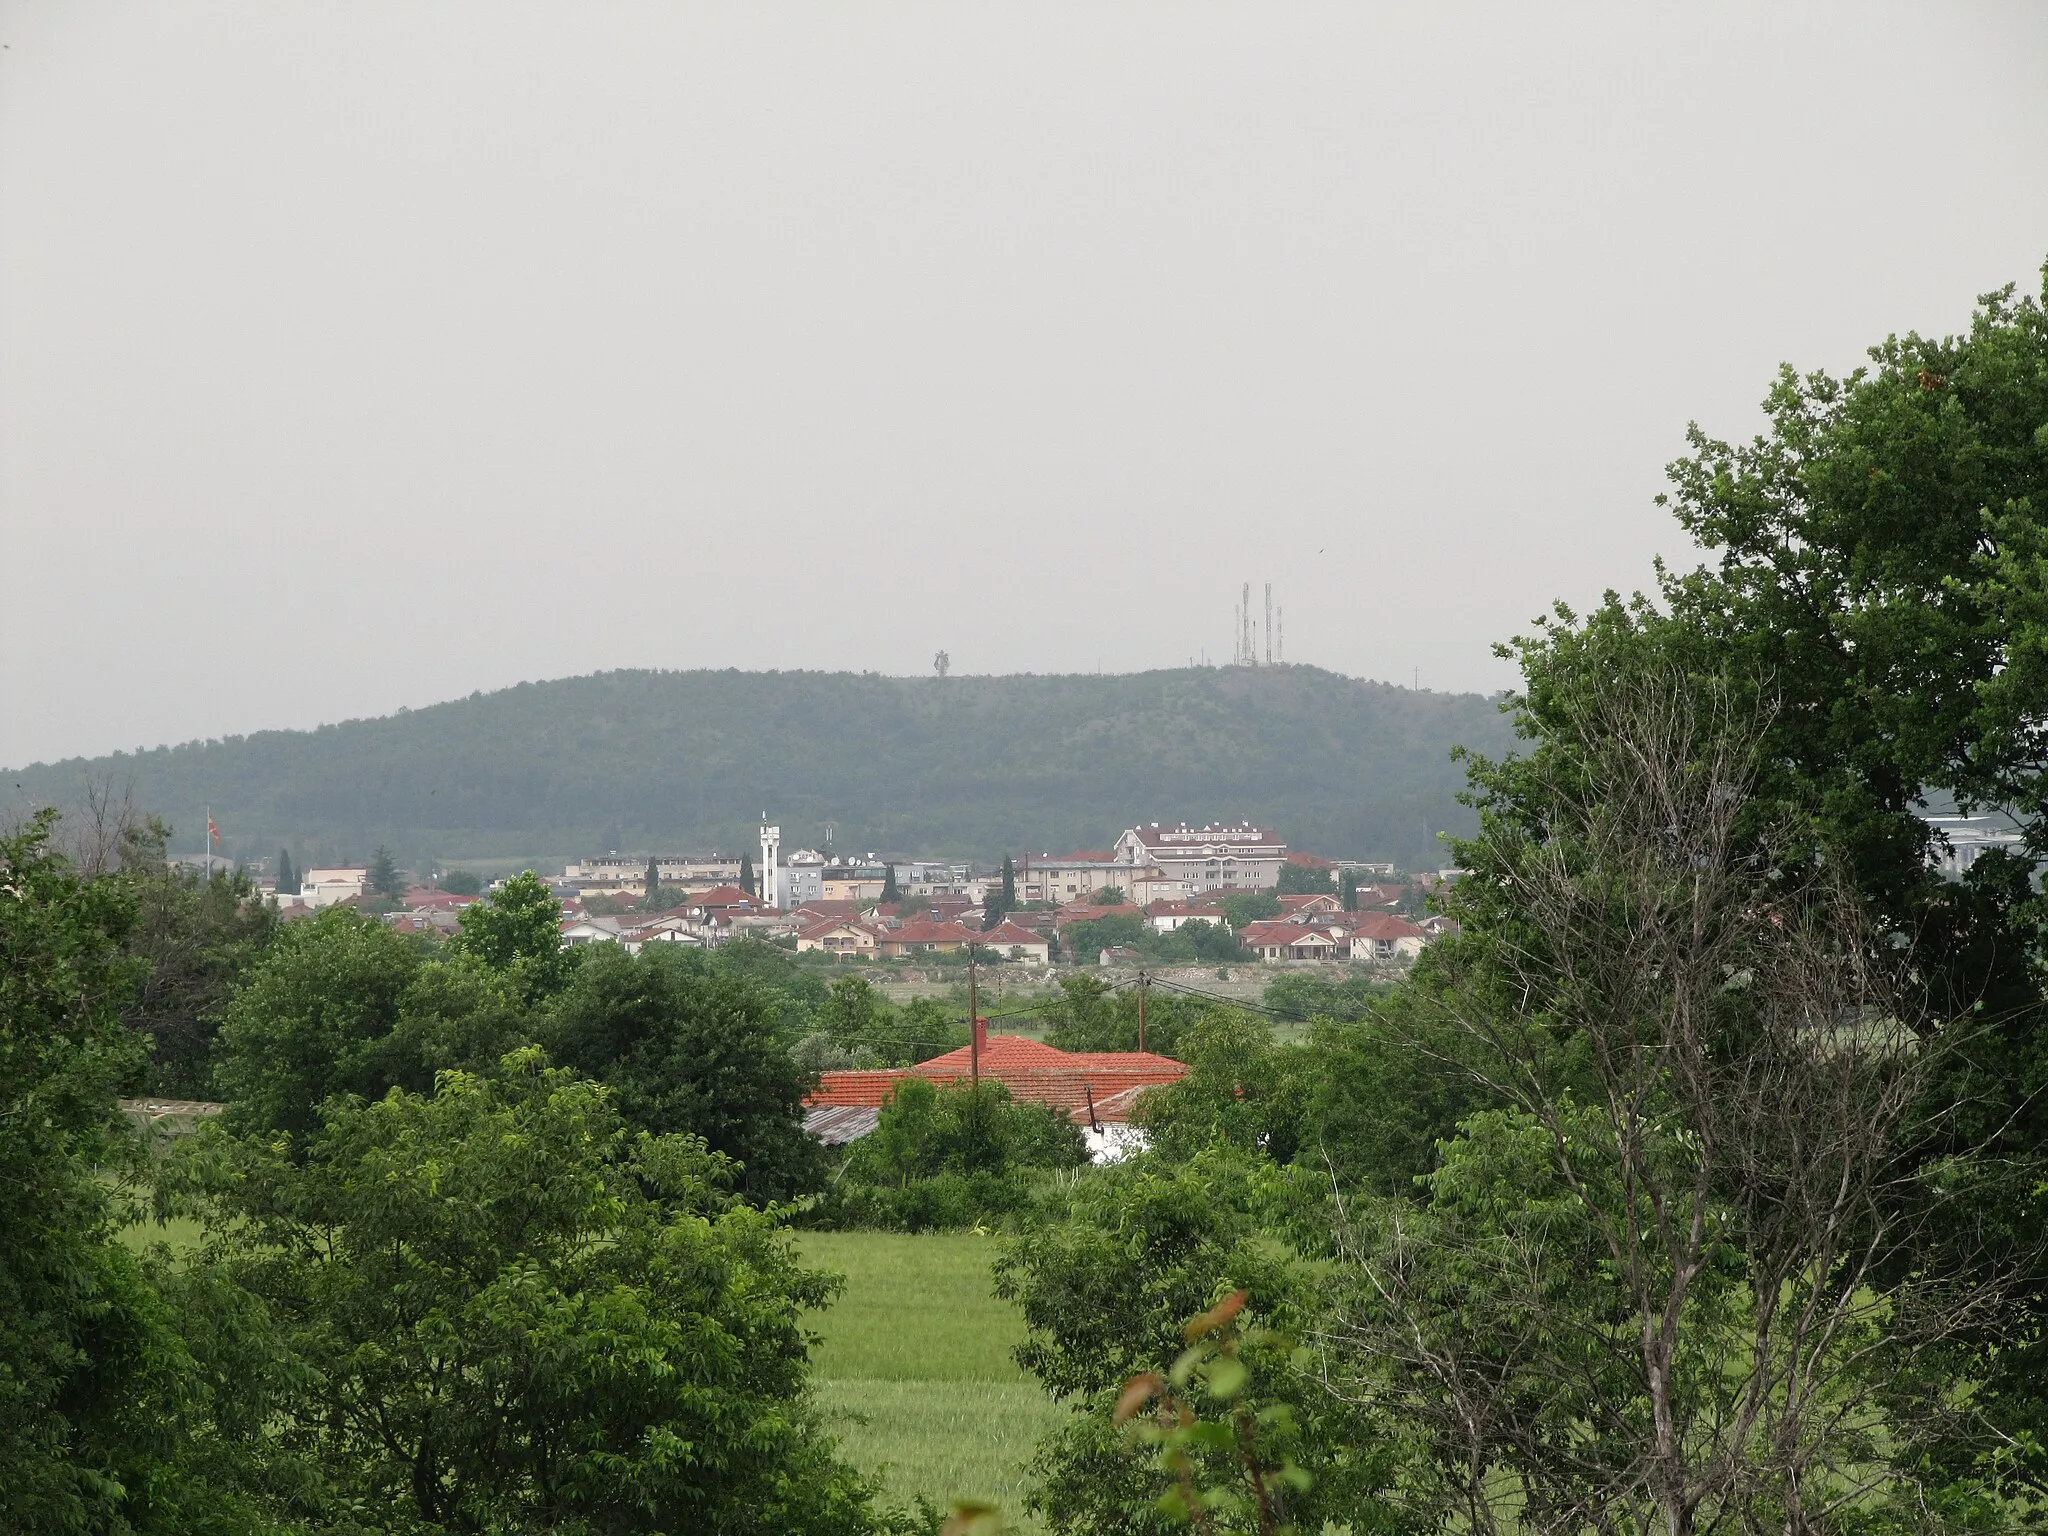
(973, 1019)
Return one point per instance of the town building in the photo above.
(1239, 858)
(843, 938)
(325, 887)
(1016, 942)
(852, 882)
(1167, 916)
(1069, 877)
(618, 874)
(803, 876)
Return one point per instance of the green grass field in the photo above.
(915, 1372)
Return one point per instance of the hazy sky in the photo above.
(362, 355)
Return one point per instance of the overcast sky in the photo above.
(357, 356)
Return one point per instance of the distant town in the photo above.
(1164, 894)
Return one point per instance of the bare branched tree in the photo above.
(1658, 1289)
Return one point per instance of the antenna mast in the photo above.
(1269, 623)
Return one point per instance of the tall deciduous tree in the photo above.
(1879, 572)
(508, 1313)
(1652, 1288)
(518, 929)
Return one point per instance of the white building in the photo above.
(325, 887)
(1214, 858)
(1965, 839)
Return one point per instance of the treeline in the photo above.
(968, 766)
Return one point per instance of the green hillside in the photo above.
(961, 766)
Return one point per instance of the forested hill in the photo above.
(961, 766)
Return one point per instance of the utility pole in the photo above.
(1141, 1010)
(973, 1018)
(1269, 623)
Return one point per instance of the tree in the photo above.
(1301, 880)
(652, 900)
(386, 878)
(287, 874)
(747, 874)
(197, 940)
(518, 929)
(1250, 907)
(1000, 903)
(341, 1004)
(462, 882)
(1650, 1288)
(507, 1312)
(890, 892)
(106, 1423)
(1106, 1286)
(1347, 889)
(685, 1049)
(1110, 896)
(1877, 592)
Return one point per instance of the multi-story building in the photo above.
(1069, 877)
(1220, 858)
(618, 874)
(803, 877)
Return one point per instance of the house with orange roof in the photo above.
(1089, 1087)
(842, 938)
(1018, 942)
(921, 936)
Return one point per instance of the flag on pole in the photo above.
(212, 832)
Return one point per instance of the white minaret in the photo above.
(771, 864)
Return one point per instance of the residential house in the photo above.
(1018, 943)
(1305, 908)
(842, 938)
(1089, 1087)
(1276, 939)
(1240, 858)
(922, 936)
(1166, 916)
(1381, 937)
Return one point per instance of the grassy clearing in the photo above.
(181, 1234)
(915, 1371)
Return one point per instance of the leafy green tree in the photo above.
(518, 929)
(1300, 880)
(386, 878)
(687, 1049)
(340, 1004)
(105, 1423)
(1249, 907)
(462, 882)
(1110, 896)
(1875, 596)
(1106, 1286)
(1241, 1088)
(1090, 1015)
(508, 1313)
(1085, 940)
(196, 939)
(950, 1156)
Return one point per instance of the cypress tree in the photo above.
(747, 874)
(287, 876)
(653, 898)
(889, 889)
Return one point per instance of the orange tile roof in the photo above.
(1033, 1072)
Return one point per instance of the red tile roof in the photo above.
(1007, 932)
(723, 896)
(1309, 860)
(1033, 1072)
(1384, 925)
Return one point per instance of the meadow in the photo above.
(914, 1369)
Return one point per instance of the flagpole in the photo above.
(209, 845)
